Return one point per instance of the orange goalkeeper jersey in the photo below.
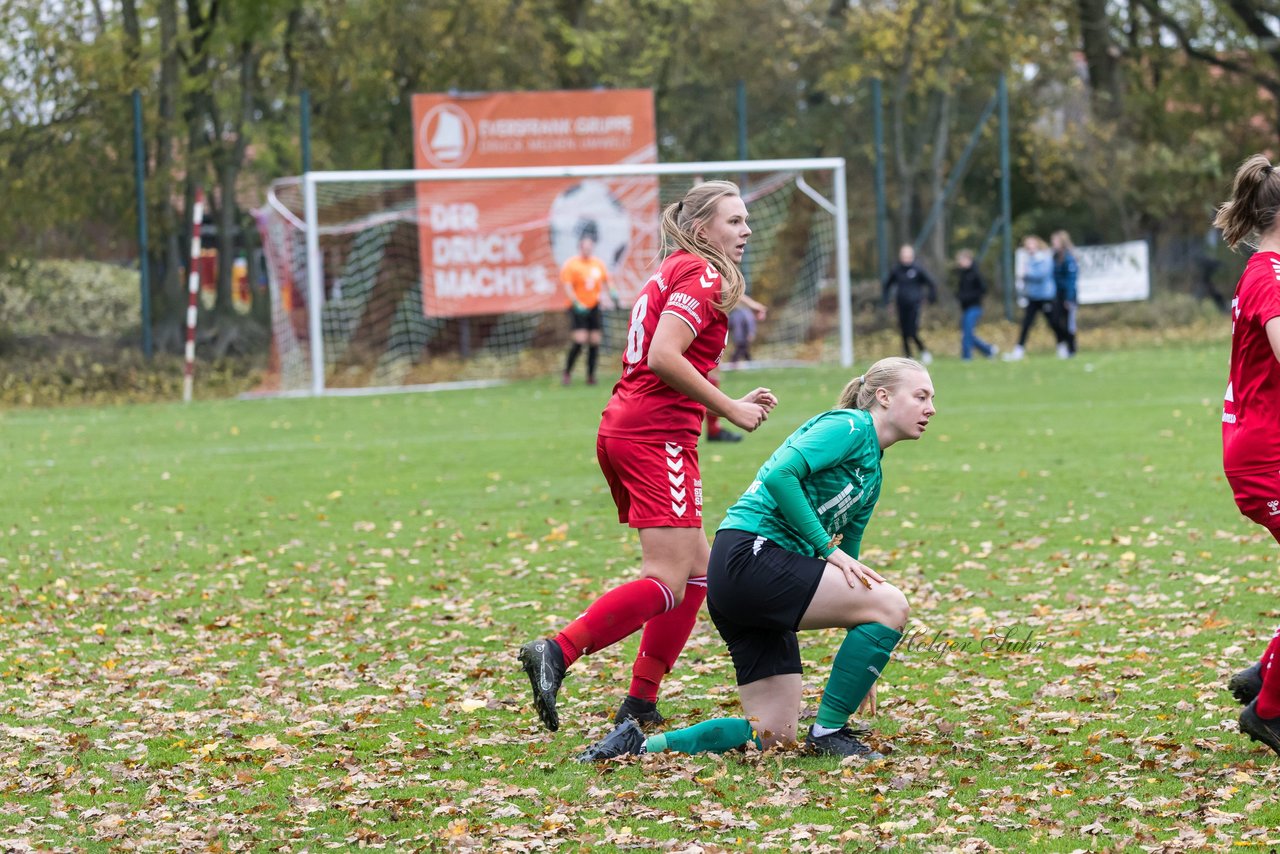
(585, 276)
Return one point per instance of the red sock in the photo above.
(1269, 697)
(663, 639)
(613, 616)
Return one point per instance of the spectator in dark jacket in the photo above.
(1065, 273)
(910, 285)
(970, 289)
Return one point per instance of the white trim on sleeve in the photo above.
(674, 313)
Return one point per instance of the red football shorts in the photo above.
(654, 484)
(1258, 497)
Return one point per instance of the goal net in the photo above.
(388, 280)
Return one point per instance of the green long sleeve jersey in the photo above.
(818, 489)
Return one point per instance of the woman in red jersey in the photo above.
(1251, 409)
(648, 449)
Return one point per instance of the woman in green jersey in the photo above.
(785, 558)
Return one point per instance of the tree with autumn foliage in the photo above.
(1125, 117)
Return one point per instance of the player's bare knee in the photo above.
(896, 608)
(674, 583)
(889, 607)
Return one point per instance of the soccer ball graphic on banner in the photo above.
(589, 206)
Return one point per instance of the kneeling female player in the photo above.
(785, 559)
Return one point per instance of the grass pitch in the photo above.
(291, 624)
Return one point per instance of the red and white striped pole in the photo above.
(193, 294)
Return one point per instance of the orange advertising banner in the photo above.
(495, 247)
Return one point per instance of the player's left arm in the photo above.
(930, 285)
(606, 281)
(758, 308)
(823, 446)
(566, 282)
(667, 361)
(890, 282)
(782, 482)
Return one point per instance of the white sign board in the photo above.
(1116, 272)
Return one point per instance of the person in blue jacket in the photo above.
(1065, 273)
(1039, 291)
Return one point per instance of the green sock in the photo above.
(857, 666)
(714, 736)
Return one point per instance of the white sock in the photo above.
(819, 731)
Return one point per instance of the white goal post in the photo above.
(320, 196)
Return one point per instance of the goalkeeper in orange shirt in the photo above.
(584, 278)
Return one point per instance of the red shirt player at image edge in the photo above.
(1251, 409)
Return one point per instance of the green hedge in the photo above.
(78, 377)
(69, 298)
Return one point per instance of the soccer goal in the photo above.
(391, 280)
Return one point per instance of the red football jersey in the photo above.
(1251, 410)
(643, 406)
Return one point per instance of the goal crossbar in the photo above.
(608, 170)
(837, 206)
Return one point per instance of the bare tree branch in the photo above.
(1269, 82)
(132, 30)
(1248, 13)
(1104, 66)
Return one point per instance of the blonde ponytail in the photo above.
(1255, 197)
(888, 373)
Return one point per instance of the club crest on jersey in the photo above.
(709, 277)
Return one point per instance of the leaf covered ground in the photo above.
(290, 625)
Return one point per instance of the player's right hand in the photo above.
(858, 574)
(747, 414)
(869, 707)
(762, 396)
